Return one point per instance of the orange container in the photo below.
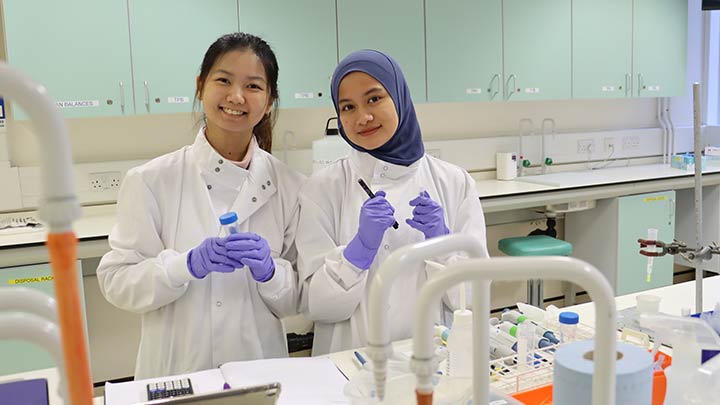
(543, 395)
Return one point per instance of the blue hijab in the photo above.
(406, 146)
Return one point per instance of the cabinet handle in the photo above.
(640, 83)
(491, 88)
(512, 90)
(147, 96)
(122, 97)
(627, 84)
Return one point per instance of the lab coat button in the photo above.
(385, 168)
(219, 303)
(382, 174)
(386, 247)
(268, 182)
(254, 199)
(217, 169)
(209, 186)
(263, 187)
(220, 161)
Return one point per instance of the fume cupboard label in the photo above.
(78, 104)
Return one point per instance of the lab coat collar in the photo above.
(214, 167)
(255, 186)
(374, 169)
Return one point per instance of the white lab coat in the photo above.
(333, 291)
(167, 207)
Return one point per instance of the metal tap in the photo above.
(522, 161)
(546, 160)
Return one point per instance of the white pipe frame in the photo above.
(59, 206)
(23, 299)
(379, 346)
(40, 331)
(482, 271)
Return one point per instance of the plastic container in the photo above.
(459, 345)
(648, 303)
(228, 224)
(568, 326)
(328, 149)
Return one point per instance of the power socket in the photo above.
(104, 181)
(585, 146)
(609, 144)
(631, 142)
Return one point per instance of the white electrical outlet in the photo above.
(631, 142)
(585, 145)
(104, 180)
(433, 152)
(609, 144)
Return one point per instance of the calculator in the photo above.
(167, 389)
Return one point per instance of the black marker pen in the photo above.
(372, 195)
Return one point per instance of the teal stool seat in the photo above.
(537, 245)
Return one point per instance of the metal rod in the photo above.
(698, 198)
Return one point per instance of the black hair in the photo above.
(240, 41)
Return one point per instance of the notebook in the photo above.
(303, 380)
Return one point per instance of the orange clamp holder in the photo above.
(62, 248)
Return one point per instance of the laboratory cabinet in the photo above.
(18, 356)
(396, 27)
(536, 49)
(168, 49)
(685, 228)
(606, 237)
(472, 71)
(79, 50)
(115, 57)
(629, 48)
(304, 38)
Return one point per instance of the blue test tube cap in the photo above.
(569, 318)
(229, 218)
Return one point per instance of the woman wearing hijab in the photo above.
(343, 235)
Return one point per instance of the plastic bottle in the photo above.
(539, 330)
(328, 149)
(228, 224)
(568, 326)
(459, 344)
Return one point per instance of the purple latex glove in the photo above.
(210, 255)
(253, 251)
(376, 216)
(427, 216)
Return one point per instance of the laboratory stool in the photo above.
(537, 245)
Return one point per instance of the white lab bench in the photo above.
(673, 299)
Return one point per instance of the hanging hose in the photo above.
(62, 248)
(424, 398)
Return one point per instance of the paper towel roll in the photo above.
(573, 372)
(506, 165)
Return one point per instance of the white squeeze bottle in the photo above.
(459, 343)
